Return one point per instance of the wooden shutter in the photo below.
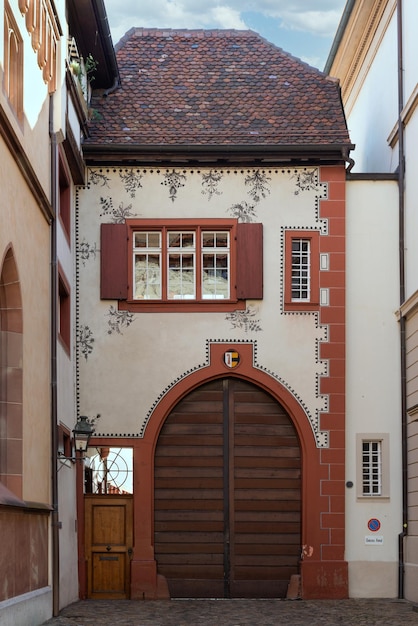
(250, 261)
(114, 262)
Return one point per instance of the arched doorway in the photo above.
(227, 509)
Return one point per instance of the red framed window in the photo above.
(181, 264)
(64, 200)
(301, 289)
(64, 320)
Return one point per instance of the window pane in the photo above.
(147, 240)
(215, 265)
(147, 276)
(181, 276)
(180, 240)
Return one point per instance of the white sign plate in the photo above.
(373, 540)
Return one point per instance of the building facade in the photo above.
(44, 114)
(211, 323)
(374, 57)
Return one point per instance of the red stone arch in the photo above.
(144, 581)
(11, 375)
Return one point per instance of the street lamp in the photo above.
(82, 432)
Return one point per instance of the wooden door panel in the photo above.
(108, 525)
(227, 494)
(108, 575)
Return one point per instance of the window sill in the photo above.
(361, 498)
(301, 306)
(181, 306)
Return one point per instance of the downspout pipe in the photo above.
(402, 293)
(54, 338)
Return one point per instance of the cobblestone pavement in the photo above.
(238, 613)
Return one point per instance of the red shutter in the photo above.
(250, 261)
(114, 262)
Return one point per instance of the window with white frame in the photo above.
(301, 269)
(181, 264)
(372, 468)
(192, 264)
(372, 465)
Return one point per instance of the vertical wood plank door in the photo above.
(227, 494)
(108, 543)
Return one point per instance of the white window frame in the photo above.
(372, 465)
(202, 276)
(301, 270)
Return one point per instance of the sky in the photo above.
(304, 28)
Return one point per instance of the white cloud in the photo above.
(318, 18)
(323, 23)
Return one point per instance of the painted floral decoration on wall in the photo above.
(259, 184)
(173, 180)
(245, 320)
(131, 181)
(210, 183)
(118, 320)
(85, 341)
(98, 178)
(118, 214)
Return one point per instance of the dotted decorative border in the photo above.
(321, 437)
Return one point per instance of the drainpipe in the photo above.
(401, 186)
(54, 335)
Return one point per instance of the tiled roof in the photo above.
(215, 87)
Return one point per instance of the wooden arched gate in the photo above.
(227, 494)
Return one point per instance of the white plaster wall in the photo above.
(373, 379)
(411, 194)
(410, 45)
(372, 110)
(126, 371)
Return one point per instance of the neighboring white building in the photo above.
(375, 56)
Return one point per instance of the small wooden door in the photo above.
(228, 494)
(108, 545)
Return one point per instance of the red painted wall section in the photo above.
(326, 575)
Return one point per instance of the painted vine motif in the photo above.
(259, 184)
(306, 180)
(243, 212)
(210, 183)
(87, 251)
(131, 181)
(85, 341)
(245, 320)
(173, 180)
(98, 178)
(118, 320)
(117, 214)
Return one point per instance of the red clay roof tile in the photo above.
(215, 87)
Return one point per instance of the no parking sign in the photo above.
(373, 524)
(375, 540)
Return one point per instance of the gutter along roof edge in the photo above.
(267, 152)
